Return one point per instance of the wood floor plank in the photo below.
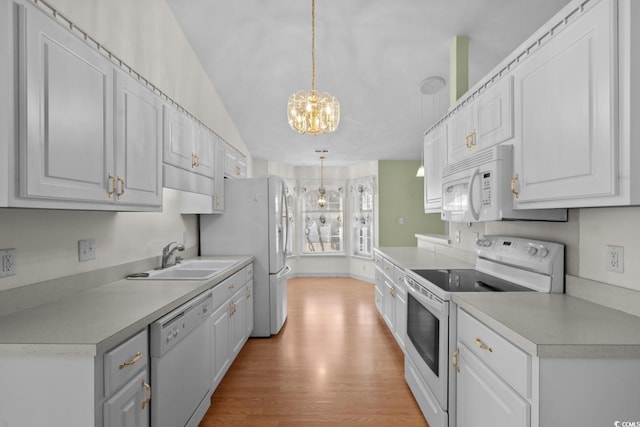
(333, 363)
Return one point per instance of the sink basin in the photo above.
(183, 274)
(206, 263)
(193, 269)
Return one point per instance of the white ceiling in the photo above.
(371, 54)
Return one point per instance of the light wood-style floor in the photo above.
(333, 363)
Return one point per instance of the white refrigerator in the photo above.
(255, 222)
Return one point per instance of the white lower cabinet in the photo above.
(483, 398)
(127, 389)
(391, 296)
(231, 321)
(498, 384)
(128, 407)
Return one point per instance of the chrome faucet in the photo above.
(167, 252)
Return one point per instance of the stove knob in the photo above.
(533, 250)
(543, 252)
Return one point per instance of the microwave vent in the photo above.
(485, 156)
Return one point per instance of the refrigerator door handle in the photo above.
(284, 272)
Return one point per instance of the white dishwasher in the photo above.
(181, 364)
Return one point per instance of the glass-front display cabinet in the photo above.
(361, 198)
(291, 191)
(322, 212)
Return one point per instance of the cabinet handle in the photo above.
(393, 291)
(248, 293)
(121, 192)
(238, 170)
(482, 345)
(232, 286)
(250, 273)
(147, 392)
(113, 185)
(195, 160)
(233, 309)
(454, 360)
(217, 201)
(137, 357)
(514, 186)
(470, 139)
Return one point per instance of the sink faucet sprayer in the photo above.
(167, 252)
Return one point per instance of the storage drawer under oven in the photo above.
(505, 358)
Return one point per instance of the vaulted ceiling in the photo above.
(371, 54)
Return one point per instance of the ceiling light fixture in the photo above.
(322, 199)
(313, 112)
(429, 86)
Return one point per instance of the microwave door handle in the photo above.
(474, 212)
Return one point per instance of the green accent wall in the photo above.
(458, 68)
(401, 195)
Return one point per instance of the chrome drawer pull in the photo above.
(137, 357)
(482, 345)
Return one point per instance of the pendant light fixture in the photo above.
(322, 192)
(313, 112)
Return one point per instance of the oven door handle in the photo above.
(440, 307)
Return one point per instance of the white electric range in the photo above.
(504, 264)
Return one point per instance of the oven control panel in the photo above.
(535, 255)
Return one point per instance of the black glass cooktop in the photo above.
(468, 280)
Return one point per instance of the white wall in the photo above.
(144, 34)
(586, 236)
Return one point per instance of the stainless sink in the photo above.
(194, 269)
(182, 274)
(207, 263)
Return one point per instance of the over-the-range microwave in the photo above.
(478, 189)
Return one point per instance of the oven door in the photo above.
(428, 338)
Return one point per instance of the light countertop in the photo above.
(556, 325)
(97, 319)
(413, 257)
(545, 325)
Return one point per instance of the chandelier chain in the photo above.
(313, 44)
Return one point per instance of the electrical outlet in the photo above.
(7, 262)
(615, 259)
(86, 250)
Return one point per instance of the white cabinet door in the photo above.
(126, 407)
(218, 192)
(66, 99)
(565, 104)
(138, 144)
(238, 326)
(249, 310)
(220, 328)
(461, 134)
(484, 399)
(179, 135)
(400, 332)
(435, 143)
(494, 114)
(204, 150)
(389, 304)
(235, 163)
(483, 123)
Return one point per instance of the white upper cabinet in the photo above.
(483, 122)
(235, 164)
(88, 134)
(435, 143)
(566, 115)
(138, 143)
(66, 103)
